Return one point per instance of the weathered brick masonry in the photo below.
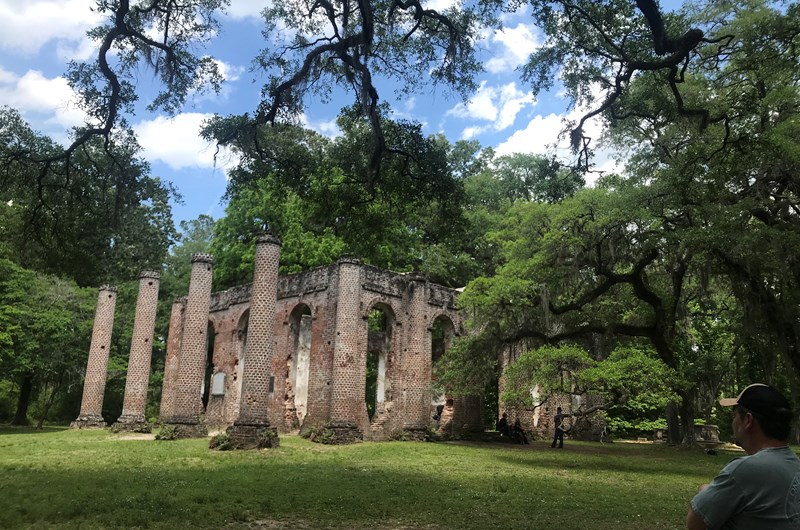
(135, 400)
(320, 338)
(186, 396)
(289, 352)
(94, 383)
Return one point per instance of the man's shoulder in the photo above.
(766, 460)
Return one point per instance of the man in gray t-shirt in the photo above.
(761, 490)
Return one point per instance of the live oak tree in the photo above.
(306, 188)
(102, 222)
(738, 178)
(702, 217)
(357, 46)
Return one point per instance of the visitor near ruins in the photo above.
(558, 435)
(761, 490)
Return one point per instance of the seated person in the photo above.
(518, 433)
(503, 426)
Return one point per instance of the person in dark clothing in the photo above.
(502, 425)
(518, 433)
(558, 436)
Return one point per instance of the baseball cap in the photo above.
(760, 399)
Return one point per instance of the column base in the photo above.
(89, 421)
(340, 432)
(131, 424)
(243, 436)
(184, 430)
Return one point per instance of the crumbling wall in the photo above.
(322, 334)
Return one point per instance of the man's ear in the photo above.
(748, 421)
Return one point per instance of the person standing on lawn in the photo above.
(762, 489)
(558, 435)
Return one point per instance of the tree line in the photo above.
(654, 289)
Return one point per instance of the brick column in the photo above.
(416, 358)
(135, 401)
(172, 359)
(94, 384)
(252, 429)
(185, 417)
(348, 407)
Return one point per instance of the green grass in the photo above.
(93, 479)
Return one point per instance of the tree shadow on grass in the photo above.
(30, 429)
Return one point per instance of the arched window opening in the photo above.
(209, 371)
(441, 339)
(379, 342)
(299, 364)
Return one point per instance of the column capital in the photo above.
(149, 273)
(107, 287)
(202, 257)
(264, 238)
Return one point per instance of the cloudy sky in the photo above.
(39, 37)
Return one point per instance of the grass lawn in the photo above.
(94, 479)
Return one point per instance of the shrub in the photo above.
(221, 442)
(167, 432)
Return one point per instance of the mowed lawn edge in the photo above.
(94, 479)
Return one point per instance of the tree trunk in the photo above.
(49, 403)
(687, 419)
(25, 392)
(673, 424)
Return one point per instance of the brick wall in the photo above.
(336, 301)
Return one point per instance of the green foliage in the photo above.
(100, 218)
(45, 327)
(310, 191)
(221, 442)
(167, 432)
(629, 378)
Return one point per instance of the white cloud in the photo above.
(517, 44)
(439, 5)
(546, 134)
(177, 143)
(34, 94)
(81, 50)
(245, 9)
(229, 72)
(327, 128)
(498, 105)
(540, 136)
(27, 26)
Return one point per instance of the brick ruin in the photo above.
(538, 421)
(347, 349)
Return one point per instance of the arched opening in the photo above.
(379, 340)
(209, 371)
(442, 333)
(238, 368)
(299, 363)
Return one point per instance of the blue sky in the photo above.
(39, 37)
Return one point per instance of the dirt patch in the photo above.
(136, 436)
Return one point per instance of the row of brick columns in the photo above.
(184, 370)
(94, 384)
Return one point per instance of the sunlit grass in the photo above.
(93, 479)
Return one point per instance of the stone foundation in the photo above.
(253, 436)
(339, 433)
(131, 424)
(189, 430)
(89, 421)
